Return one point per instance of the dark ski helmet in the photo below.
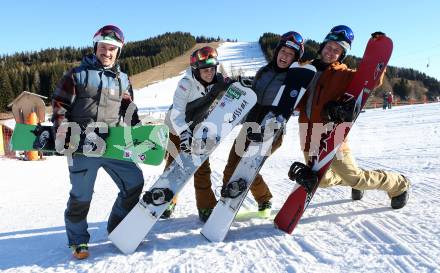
(203, 58)
(342, 35)
(109, 34)
(292, 40)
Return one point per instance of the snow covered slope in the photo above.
(241, 58)
(335, 234)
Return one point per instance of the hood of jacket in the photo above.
(91, 62)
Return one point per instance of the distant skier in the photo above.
(266, 85)
(95, 91)
(195, 93)
(385, 101)
(390, 100)
(321, 106)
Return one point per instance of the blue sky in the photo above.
(413, 25)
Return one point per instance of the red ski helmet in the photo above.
(203, 58)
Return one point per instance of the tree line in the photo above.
(39, 71)
(398, 79)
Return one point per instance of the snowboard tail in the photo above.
(371, 67)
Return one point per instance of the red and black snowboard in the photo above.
(371, 67)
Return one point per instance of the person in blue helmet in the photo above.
(320, 106)
(95, 92)
(266, 84)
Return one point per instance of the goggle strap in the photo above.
(111, 31)
(292, 44)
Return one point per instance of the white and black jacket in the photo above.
(192, 101)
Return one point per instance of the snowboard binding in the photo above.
(44, 136)
(234, 188)
(303, 175)
(89, 141)
(158, 196)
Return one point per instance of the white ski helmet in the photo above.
(342, 35)
(111, 35)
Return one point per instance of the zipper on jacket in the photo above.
(267, 85)
(319, 94)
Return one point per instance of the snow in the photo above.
(335, 233)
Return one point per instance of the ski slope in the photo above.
(334, 235)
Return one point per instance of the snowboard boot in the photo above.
(264, 209)
(357, 194)
(399, 201)
(204, 214)
(80, 251)
(169, 211)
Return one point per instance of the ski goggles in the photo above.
(293, 40)
(207, 55)
(204, 57)
(292, 36)
(343, 32)
(112, 32)
(208, 63)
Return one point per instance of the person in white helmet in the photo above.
(321, 105)
(95, 91)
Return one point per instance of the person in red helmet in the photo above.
(266, 84)
(95, 92)
(195, 93)
(320, 106)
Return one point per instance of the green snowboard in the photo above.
(141, 144)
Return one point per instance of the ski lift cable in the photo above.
(418, 52)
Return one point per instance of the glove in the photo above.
(185, 141)
(134, 119)
(303, 175)
(254, 137)
(246, 81)
(339, 111)
(275, 122)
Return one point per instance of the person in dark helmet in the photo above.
(95, 91)
(320, 106)
(266, 84)
(194, 95)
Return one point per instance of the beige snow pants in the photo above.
(345, 172)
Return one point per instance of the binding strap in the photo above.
(234, 188)
(158, 196)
